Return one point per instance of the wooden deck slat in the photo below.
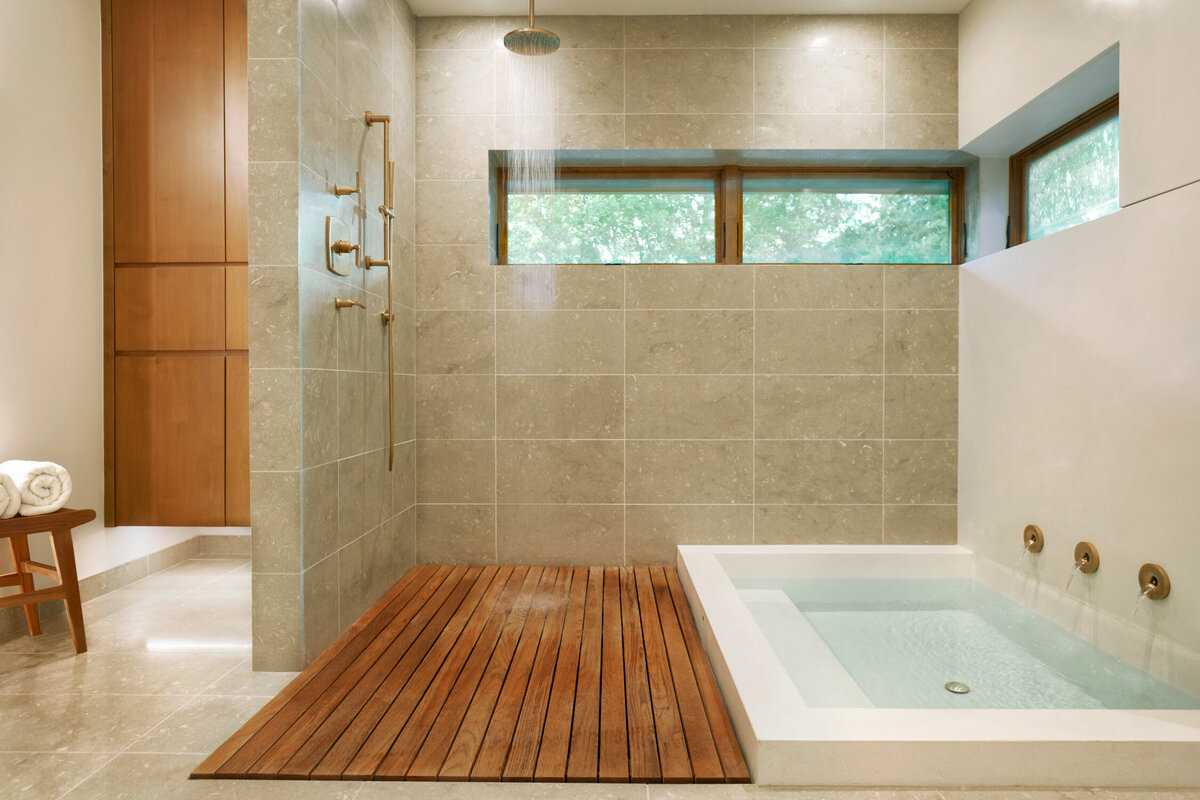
(429, 760)
(556, 734)
(584, 752)
(346, 647)
(243, 761)
(311, 751)
(441, 692)
(489, 763)
(702, 751)
(527, 735)
(732, 761)
(614, 676)
(350, 753)
(469, 738)
(672, 745)
(490, 673)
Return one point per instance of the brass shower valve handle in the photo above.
(338, 302)
(342, 191)
(342, 247)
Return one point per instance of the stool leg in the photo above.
(19, 545)
(64, 561)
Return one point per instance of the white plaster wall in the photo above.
(1010, 51)
(1080, 407)
(51, 267)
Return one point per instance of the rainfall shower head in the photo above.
(531, 41)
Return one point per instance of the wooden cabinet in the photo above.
(176, 175)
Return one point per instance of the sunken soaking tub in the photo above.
(839, 666)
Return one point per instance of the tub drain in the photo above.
(957, 687)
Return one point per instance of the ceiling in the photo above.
(454, 8)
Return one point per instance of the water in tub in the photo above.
(897, 643)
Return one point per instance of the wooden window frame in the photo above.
(1018, 164)
(728, 181)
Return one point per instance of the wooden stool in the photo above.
(59, 525)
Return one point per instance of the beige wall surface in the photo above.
(333, 528)
(51, 271)
(645, 407)
(1013, 50)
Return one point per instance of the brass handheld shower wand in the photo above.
(387, 210)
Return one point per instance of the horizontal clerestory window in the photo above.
(733, 215)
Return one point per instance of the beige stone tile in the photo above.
(922, 286)
(708, 81)
(273, 214)
(689, 472)
(920, 524)
(371, 564)
(663, 286)
(819, 286)
(837, 472)
(406, 205)
(404, 279)
(920, 472)
(319, 512)
(274, 419)
(455, 342)
(364, 69)
(272, 104)
(922, 82)
(452, 212)
(558, 342)
(319, 407)
(574, 30)
(653, 532)
(319, 111)
(688, 131)
(165, 777)
(819, 30)
(921, 132)
(102, 723)
(559, 471)
(271, 29)
(454, 277)
(316, 203)
(352, 434)
(456, 471)
(820, 81)
(243, 680)
(819, 342)
(707, 30)
(587, 81)
(455, 33)
(560, 406)
(453, 147)
(922, 342)
(456, 534)
(321, 623)
(922, 30)
(372, 22)
(571, 131)
(454, 81)
(404, 477)
(405, 428)
(818, 407)
(680, 342)
(200, 726)
(317, 337)
(119, 673)
(818, 131)
(51, 774)
(828, 524)
(274, 325)
(557, 535)
(550, 286)
(405, 345)
(921, 407)
(318, 38)
(364, 494)
(689, 407)
(456, 406)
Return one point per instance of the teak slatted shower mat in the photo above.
(503, 673)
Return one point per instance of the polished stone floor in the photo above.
(167, 678)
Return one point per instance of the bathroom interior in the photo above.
(837, 362)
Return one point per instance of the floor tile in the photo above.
(80, 723)
(119, 673)
(46, 774)
(200, 726)
(242, 680)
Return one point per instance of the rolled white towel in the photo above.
(44, 486)
(10, 498)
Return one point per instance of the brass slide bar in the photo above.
(388, 211)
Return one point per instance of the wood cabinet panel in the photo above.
(168, 93)
(237, 152)
(170, 440)
(237, 440)
(170, 308)
(237, 311)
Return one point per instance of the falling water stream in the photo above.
(1138, 603)
(1075, 569)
